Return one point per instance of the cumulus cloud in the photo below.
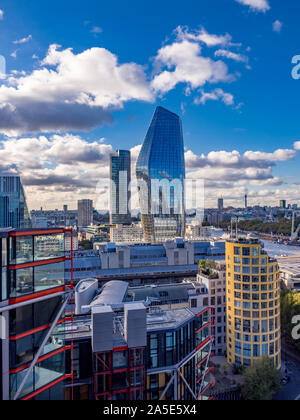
(234, 159)
(79, 91)
(257, 5)
(186, 65)
(59, 169)
(70, 92)
(1, 14)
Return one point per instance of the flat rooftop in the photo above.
(157, 320)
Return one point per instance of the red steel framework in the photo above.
(103, 368)
(62, 289)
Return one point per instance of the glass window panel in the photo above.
(49, 247)
(48, 276)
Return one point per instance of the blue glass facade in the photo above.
(13, 206)
(120, 177)
(161, 175)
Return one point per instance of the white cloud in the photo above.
(215, 95)
(1, 14)
(258, 5)
(70, 92)
(186, 65)
(280, 155)
(78, 92)
(277, 26)
(211, 40)
(23, 40)
(232, 56)
(59, 169)
(14, 54)
(297, 145)
(234, 159)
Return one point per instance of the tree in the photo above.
(261, 381)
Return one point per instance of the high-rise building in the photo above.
(13, 206)
(161, 176)
(253, 303)
(283, 204)
(220, 204)
(85, 213)
(120, 178)
(33, 303)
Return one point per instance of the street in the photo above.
(291, 391)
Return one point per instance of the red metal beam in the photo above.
(37, 232)
(41, 359)
(38, 263)
(29, 397)
(37, 295)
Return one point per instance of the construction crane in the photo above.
(294, 234)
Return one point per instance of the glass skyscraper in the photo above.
(160, 176)
(13, 207)
(120, 178)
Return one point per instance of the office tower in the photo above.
(246, 201)
(65, 208)
(120, 177)
(13, 206)
(220, 204)
(283, 204)
(253, 303)
(33, 299)
(161, 175)
(85, 213)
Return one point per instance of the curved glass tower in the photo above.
(160, 176)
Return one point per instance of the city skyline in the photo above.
(239, 135)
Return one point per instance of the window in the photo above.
(194, 303)
(246, 251)
(49, 276)
(237, 250)
(153, 351)
(21, 249)
(22, 282)
(255, 251)
(238, 348)
(49, 247)
(247, 350)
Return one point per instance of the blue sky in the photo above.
(248, 102)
